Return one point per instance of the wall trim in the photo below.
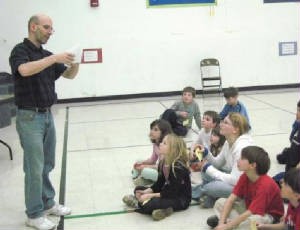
(171, 93)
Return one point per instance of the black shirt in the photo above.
(37, 90)
(176, 186)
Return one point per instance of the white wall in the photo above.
(158, 50)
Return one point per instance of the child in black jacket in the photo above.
(172, 190)
(290, 156)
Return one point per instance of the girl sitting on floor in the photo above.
(172, 190)
(145, 172)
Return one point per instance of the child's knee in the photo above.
(149, 174)
(219, 204)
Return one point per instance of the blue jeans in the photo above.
(38, 140)
(212, 188)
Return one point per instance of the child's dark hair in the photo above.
(292, 179)
(298, 104)
(258, 155)
(231, 92)
(215, 149)
(164, 126)
(216, 131)
(189, 89)
(214, 115)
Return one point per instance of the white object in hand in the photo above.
(77, 52)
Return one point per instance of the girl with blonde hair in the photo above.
(172, 190)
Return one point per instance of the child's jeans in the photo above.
(212, 188)
(146, 173)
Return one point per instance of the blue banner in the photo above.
(171, 2)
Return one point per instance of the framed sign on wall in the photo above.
(91, 56)
(168, 3)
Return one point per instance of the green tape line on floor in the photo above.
(105, 213)
(98, 214)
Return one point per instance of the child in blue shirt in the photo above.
(233, 104)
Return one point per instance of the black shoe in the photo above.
(212, 221)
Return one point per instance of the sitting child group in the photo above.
(222, 169)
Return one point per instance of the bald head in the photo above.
(39, 29)
(36, 19)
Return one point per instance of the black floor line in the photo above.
(110, 120)
(62, 186)
(115, 103)
(266, 103)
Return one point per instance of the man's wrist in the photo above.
(52, 59)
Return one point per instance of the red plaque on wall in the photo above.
(91, 56)
(94, 3)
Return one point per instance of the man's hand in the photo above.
(65, 58)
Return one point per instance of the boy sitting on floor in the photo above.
(255, 199)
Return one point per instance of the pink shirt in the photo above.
(155, 154)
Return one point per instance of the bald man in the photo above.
(35, 71)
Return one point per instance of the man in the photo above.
(34, 71)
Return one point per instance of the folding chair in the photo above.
(210, 75)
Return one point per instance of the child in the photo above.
(217, 141)
(172, 190)
(255, 198)
(220, 174)
(233, 104)
(145, 172)
(290, 189)
(209, 121)
(291, 156)
(181, 113)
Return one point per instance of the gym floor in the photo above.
(97, 144)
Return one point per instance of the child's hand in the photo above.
(221, 227)
(138, 166)
(260, 226)
(201, 147)
(145, 197)
(139, 193)
(202, 164)
(184, 114)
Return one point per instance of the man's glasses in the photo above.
(48, 28)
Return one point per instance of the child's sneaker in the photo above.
(205, 202)
(134, 173)
(131, 201)
(40, 223)
(140, 181)
(159, 214)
